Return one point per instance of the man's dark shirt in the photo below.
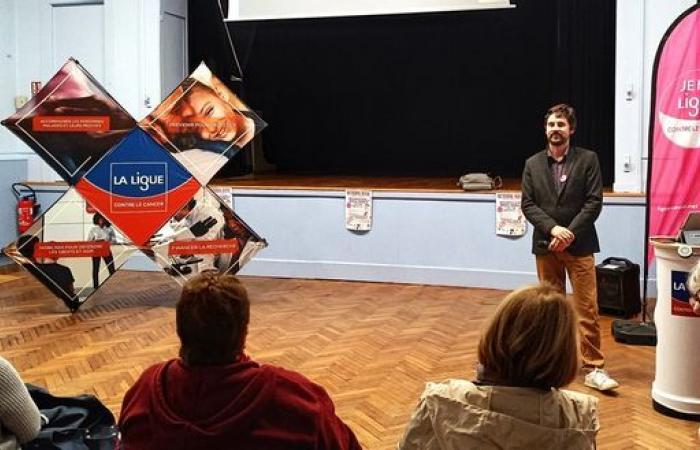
(558, 169)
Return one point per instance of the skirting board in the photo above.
(384, 273)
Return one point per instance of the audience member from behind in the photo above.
(215, 397)
(694, 291)
(20, 421)
(527, 352)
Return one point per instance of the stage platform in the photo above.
(424, 230)
(378, 183)
(281, 181)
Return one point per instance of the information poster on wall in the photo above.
(358, 209)
(225, 193)
(510, 220)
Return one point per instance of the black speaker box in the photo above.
(618, 287)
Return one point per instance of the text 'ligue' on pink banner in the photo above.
(675, 138)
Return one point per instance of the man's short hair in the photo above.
(212, 319)
(531, 341)
(562, 110)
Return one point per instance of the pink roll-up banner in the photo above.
(673, 187)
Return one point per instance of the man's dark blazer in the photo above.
(576, 207)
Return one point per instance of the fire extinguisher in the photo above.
(27, 206)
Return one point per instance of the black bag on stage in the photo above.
(74, 423)
(618, 287)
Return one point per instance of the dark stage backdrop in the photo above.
(426, 94)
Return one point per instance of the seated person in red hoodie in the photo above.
(215, 397)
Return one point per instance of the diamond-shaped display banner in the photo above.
(203, 235)
(71, 249)
(133, 181)
(203, 124)
(71, 122)
(138, 186)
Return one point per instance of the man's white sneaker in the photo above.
(599, 379)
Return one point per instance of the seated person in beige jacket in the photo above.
(527, 352)
(20, 421)
(694, 290)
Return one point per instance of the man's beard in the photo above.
(556, 139)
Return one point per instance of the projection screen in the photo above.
(245, 10)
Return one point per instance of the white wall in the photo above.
(659, 15)
(426, 238)
(13, 164)
(132, 72)
(640, 27)
(8, 66)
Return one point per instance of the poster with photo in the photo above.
(510, 220)
(71, 249)
(358, 209)
(204, 235)
(71, 122)
(203, 124)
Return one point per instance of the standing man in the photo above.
(562, 195)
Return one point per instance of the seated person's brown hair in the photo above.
(212, 320)
(527, 351)
(215, 397)
(531, 340)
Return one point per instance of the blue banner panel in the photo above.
(138, 186)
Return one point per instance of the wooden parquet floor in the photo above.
(373, 346)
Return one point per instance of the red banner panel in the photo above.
(71, 249)
(203, 247)
(70, 123)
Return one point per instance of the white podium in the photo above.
(676, 386)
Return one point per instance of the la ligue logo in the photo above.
(679, 111)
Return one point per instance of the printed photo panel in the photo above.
(71, 249)
(205, 234)
(71, 122)
(203, 123)
(138, 186)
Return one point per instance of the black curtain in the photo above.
(584, 75)
(207, 41)
(423, 94)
